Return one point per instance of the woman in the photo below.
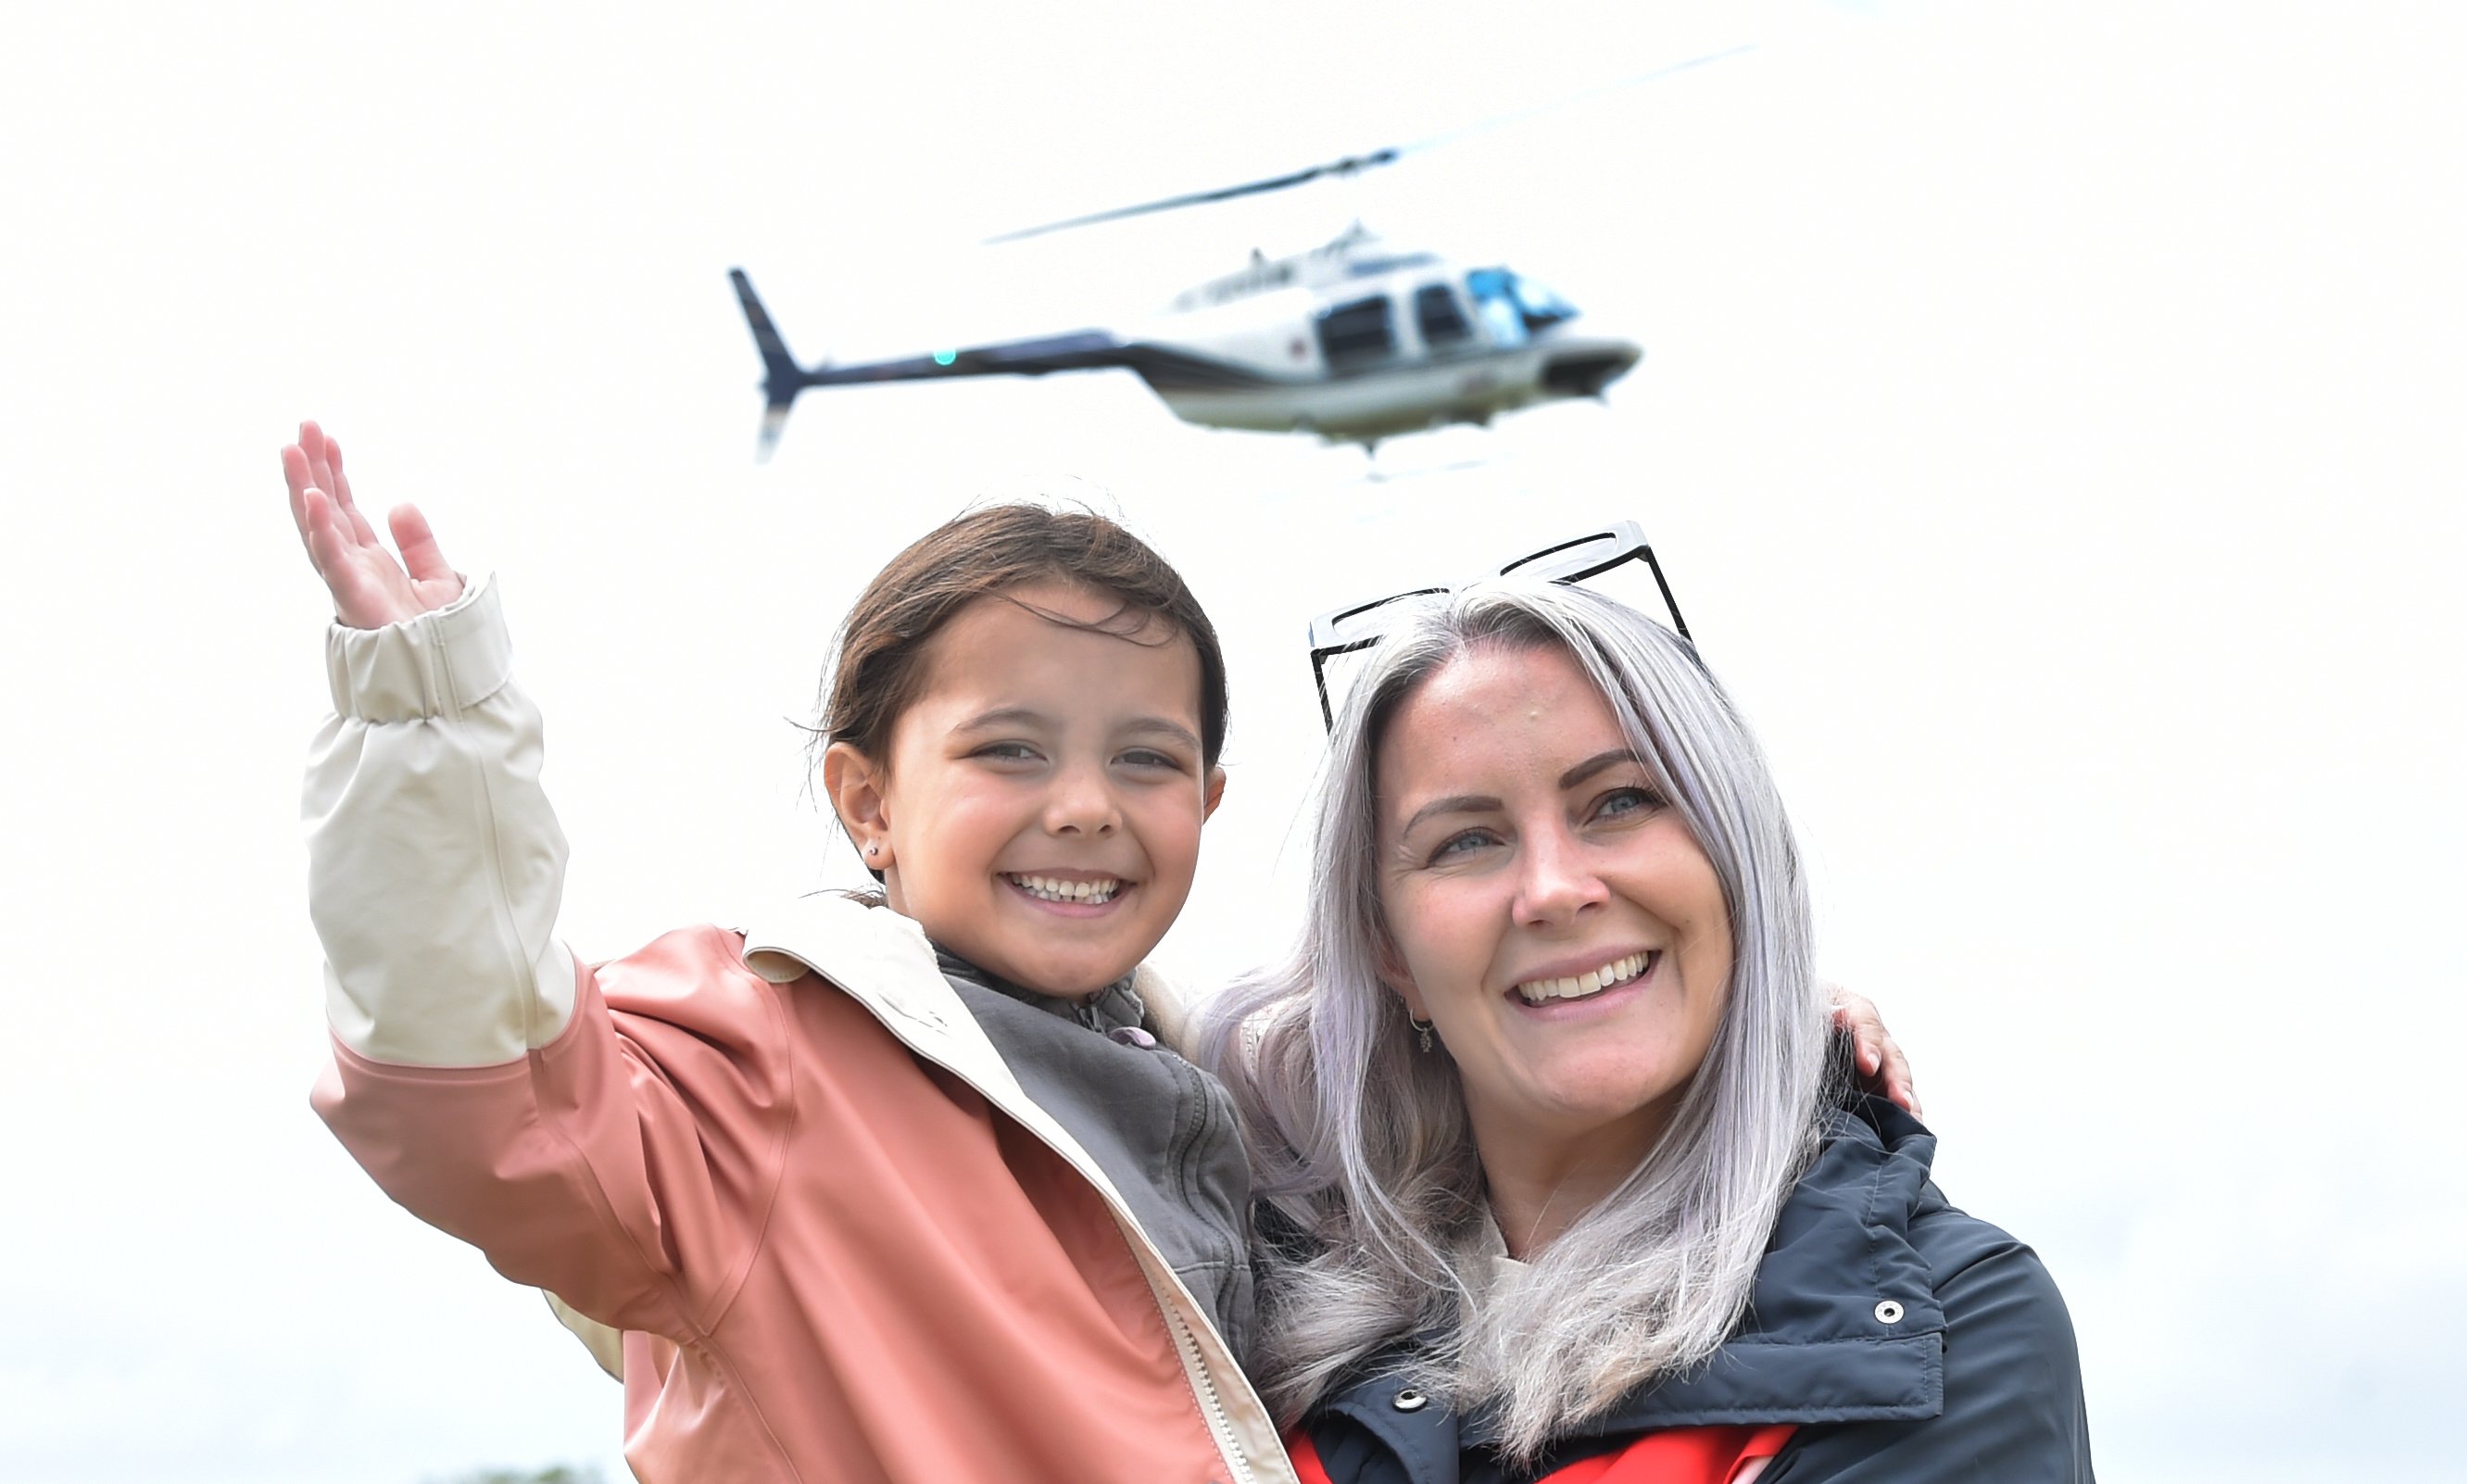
(1558, 1178)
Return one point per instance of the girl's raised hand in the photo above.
(370, 589)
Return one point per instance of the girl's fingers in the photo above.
(322, 472)
(342, 489)
(1900, 1086)
(1853, 1013)
(312, 448)
(1876, 1054)
(422, 556)
(312, 458)
(295, 478)
(326, 544)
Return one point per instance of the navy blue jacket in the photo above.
(1908, 1342)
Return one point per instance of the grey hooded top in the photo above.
(1160, 1129)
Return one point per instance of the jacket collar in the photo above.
(875, 954)
(1111, 1008)
(1843, 1325)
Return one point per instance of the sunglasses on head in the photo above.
(1361, 625)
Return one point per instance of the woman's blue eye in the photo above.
(1461, 843)
(1620, 801)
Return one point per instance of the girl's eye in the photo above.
(1008, 752)
(1150, 757)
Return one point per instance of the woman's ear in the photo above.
(860, 795)
(1399, 978)
(1215, 796)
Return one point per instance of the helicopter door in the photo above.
(1439, 318)
(1358, 334)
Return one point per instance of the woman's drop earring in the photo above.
(1421, 1028)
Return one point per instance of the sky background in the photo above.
(2050, 423)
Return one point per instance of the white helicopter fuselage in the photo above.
(1356, 343)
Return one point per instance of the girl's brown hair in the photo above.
(879, 661)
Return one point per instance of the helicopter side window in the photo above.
(1436, 312)
(1357, 332)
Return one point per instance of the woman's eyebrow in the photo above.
(1453, 803)
(1596, 764)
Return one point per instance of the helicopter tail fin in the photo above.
(781, 378)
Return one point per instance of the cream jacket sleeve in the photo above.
(435, 864)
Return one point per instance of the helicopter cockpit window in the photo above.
(1357, 332)
(1436, 311)
(1513, 306)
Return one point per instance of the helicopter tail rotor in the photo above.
(781, 378)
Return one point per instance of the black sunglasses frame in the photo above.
(1631, 547)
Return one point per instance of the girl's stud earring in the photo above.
(874, 849)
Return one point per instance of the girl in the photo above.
(874, 1195)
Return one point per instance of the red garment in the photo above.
(1680, 1455)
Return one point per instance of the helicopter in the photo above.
(1355, 341)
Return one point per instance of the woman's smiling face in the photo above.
(1546, 910)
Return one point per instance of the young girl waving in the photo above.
(902, 1193)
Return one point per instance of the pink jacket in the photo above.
(787, 1163)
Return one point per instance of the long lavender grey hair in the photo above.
(1361, 1143)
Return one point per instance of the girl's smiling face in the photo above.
(1040, 810)
(1546, 910)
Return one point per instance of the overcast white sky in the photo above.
(2051, 422)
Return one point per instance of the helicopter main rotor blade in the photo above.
(1352, 163)
(1356, 164)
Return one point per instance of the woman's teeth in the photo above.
(1051, 890)
(1616, 972)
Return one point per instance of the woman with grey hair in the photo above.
(1558, 1177)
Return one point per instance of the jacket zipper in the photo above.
(1211, 1406)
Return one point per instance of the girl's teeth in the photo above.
(1052, 890)
(1592, 983)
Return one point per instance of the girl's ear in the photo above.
(860, 796)
(1216, 794)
